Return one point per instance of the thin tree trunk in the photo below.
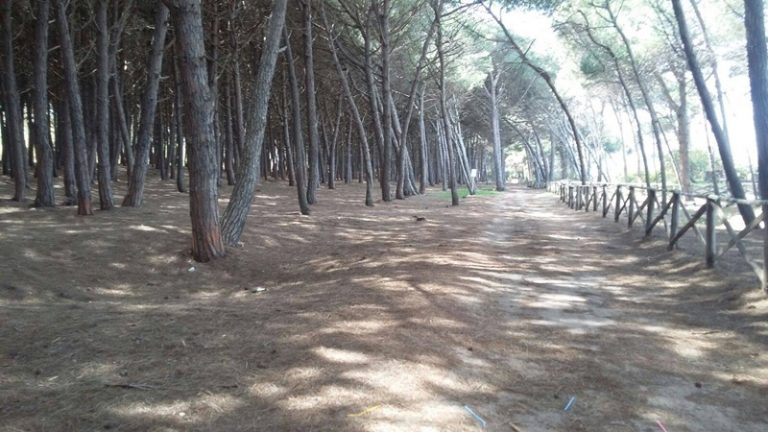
(75, 113)
(102, 114)
(179, 114)
(236, 213)
(14, 121)
(45, 196)
(135, 195)
(655, 125)
(366, 167)
(423, 146)
(299, 167)
(491, 85)
(548, 80)
(64, 143)
(734, 184)
(309, 76)
(444, 108)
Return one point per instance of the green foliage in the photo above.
(484, 190)
(591, 65)
(612, 145)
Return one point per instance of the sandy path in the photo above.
(370, 321)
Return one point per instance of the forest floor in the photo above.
(366, 319)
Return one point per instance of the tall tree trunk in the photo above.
(14, 121)
(64, 143)
(135, 195)
(757, 53)
(45, 196)
(734, 184)
(236, 213)
(684, 134)
(627, 94)
(491, 86)
(179, 114)
(386, 96)
(203, 194)
(309, 75)
(655, 125)
(548, 80)
(300, 165)
(102, 100)
(444, 108)
(366, 166)
(423, 146)
(82, 174)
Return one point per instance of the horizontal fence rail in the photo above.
(705, 216)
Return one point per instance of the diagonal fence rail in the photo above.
(710, 218)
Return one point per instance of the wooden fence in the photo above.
(708, 219)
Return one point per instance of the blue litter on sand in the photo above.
(569, 405)
(475, 415)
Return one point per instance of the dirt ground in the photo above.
(357, 319)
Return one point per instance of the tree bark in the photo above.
(366, 168)
(300, 165)
(444, 108)
(135, 195)
(102, 101)
(236, 213)
(309, 76)
(14, 121)
(757, 54)
(203, 195)
(45, 196)
(82, 174)
(491, 85)
(548, 80)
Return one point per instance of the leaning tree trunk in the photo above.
(628, 95)
(550, 83)
(655, 124)
(14, 121)
(236, 213)
(734, 184)
(299, 166)
(135, 195)
(45, 196)
(203, 194)
(366, 166)
(82, 174)
(102, 115)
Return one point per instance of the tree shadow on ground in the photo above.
(365, 319)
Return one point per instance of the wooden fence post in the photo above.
(579, 197)
(631, 209)
(570, 196)
(711, 236)
(617, 210)
(594, 197)
(649, 217)
(675, 222)
(765, 248)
